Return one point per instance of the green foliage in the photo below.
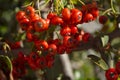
(99, 61)
(105, 40)
(115, 43)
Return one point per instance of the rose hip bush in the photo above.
(62, 21)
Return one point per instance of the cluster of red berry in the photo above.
(70, 35)
(33, 60)
(113, 73)
(90, 12)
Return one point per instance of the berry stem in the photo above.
(113, 9)
(38, 6)
(106, 11)
(61, 5)
(31, 3)
(81, 2)
(56, 6)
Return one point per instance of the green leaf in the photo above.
(20, 36)
(5, 64)
(99, 61)
(105, 40)
(115, 43)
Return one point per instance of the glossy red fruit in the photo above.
(55, 41)
(20, 15)
(40, 25)
(49, 60)
(34, 18)
(95, 12)
(41, 63)
(111, 74)
(88, 17)
(29, 36)
(68, 41)
(15, 45)
(61, 49)
(86, 37)
(66, 14)
(74, 30)
(30, 11)
(51, 15)
(30, 28)
(76, 16)
(56, 20)
(78, 37)
(84, 8)
(52, 48)
(65, 31)
(24, 23)
(103, 19)
(117, 67)
(33, 57)
(47, 23)
(41, 45)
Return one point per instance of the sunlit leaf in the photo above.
(99, 61)
(105, 40)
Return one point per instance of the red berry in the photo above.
(29, 36)
(34, 18)
(47, 22)
(55, 41)
(49, 60)
(95, 12)
(68, 41)
(118, 67)
(40, 25)
(76, 16)
(33, 56)
(52, 48)
(65, 31)
(74, 29)
(78, 37)
(61, 49)
(56, 20)
(111, 74)
(88, 17)
(41, 63)
(103, 19)
(24, 23)
(20, 15)
(51, 15)
(15, 45)
(86, 37)
(66, 14)
(41, 45)
(30, 11)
